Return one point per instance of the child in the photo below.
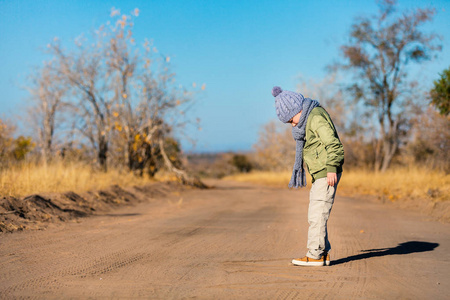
(319, 146)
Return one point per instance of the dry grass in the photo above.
(59, 177)
(393, 185)
(277, 179)
(398, 184)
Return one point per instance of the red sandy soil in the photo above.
(234, 241)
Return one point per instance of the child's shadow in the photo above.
(403, 248)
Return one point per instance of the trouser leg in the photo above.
(321, 201)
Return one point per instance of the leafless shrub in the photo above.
(430, 145)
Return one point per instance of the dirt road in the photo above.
(235, 241)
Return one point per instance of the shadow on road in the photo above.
(403, 248)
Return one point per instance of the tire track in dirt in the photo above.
(113, 262)
(101, 265)
(58, 245)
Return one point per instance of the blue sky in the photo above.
(239, 49)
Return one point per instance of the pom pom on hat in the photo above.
(276, 91)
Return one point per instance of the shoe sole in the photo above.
(308, 264)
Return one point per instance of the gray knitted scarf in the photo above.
(299, 132)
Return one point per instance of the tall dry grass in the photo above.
(398, 183)
(393, 185)
(268, 178)
(26, 179)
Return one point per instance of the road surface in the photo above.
(235, 241)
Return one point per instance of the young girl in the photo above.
(318, 145)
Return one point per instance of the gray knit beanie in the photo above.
(287, 103)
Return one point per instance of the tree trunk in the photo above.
(390, 147)
(386, 157)
(180, 174)
(103, 153)
(130, 156)
(378, 155)
(48, 141)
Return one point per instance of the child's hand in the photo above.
(331, 179)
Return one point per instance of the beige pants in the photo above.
(321, 200)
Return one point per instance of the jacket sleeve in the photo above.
(328, 136)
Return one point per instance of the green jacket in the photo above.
(323, 151)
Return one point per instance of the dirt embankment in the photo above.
(38, 211)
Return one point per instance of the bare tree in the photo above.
(122, 95)
(84, 74)
(47, 94)
(144, 95)
(430, 145)
(378, 53)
